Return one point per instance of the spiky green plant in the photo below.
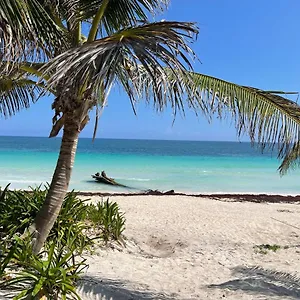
(18, 209)
(107, 218)
(50, 275)
(53, 272)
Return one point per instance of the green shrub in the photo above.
(51, 274)
(71, 222)
(264, 248)
(54, 272)
(18, 209)
(107, 217)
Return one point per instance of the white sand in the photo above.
(192, 248)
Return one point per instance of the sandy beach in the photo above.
(180, 247)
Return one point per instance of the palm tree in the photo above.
(78, 50)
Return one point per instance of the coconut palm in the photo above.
(91, 46)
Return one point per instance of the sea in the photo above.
(182, 166)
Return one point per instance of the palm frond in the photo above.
(151, 62)
(268, 118)
(16, 94)
(64, 10)
(291, 160)
(153, 46)
(120, 13)
(27, 31)
(91, 69)
(165, 89)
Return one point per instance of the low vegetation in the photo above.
(53, 273)
(264, 248)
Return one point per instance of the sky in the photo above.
(254, 43)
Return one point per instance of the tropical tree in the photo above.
(78, 50)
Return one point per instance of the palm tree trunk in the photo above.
(59, 184)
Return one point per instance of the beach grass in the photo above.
(54, 272)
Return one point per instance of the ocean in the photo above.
(184, 166)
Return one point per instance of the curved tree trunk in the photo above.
(59, 184)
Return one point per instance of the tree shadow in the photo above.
(256, 280)
(96, 289)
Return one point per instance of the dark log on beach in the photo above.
(107, 180)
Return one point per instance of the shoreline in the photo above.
(233, 197)
(257, 198)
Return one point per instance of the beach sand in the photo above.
(181, 247)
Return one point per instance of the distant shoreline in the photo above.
(133, 139)
(257, 198)
(232, 197)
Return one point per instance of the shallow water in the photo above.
(202, 167)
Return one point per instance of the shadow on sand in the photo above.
(95, 288)
(259, 281)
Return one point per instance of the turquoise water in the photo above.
(202, 167)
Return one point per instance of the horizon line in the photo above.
(132, 139)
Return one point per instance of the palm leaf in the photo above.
(268, 118)
(16, 94)
(118, 56)
(63, 10)
(291, 160)
(27, 31)
(143, 59)
(96, 65)
(117, 13)
(120, 13)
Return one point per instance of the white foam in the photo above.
(21, 181)
(132, 178)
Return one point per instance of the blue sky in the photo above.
(254, 43)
